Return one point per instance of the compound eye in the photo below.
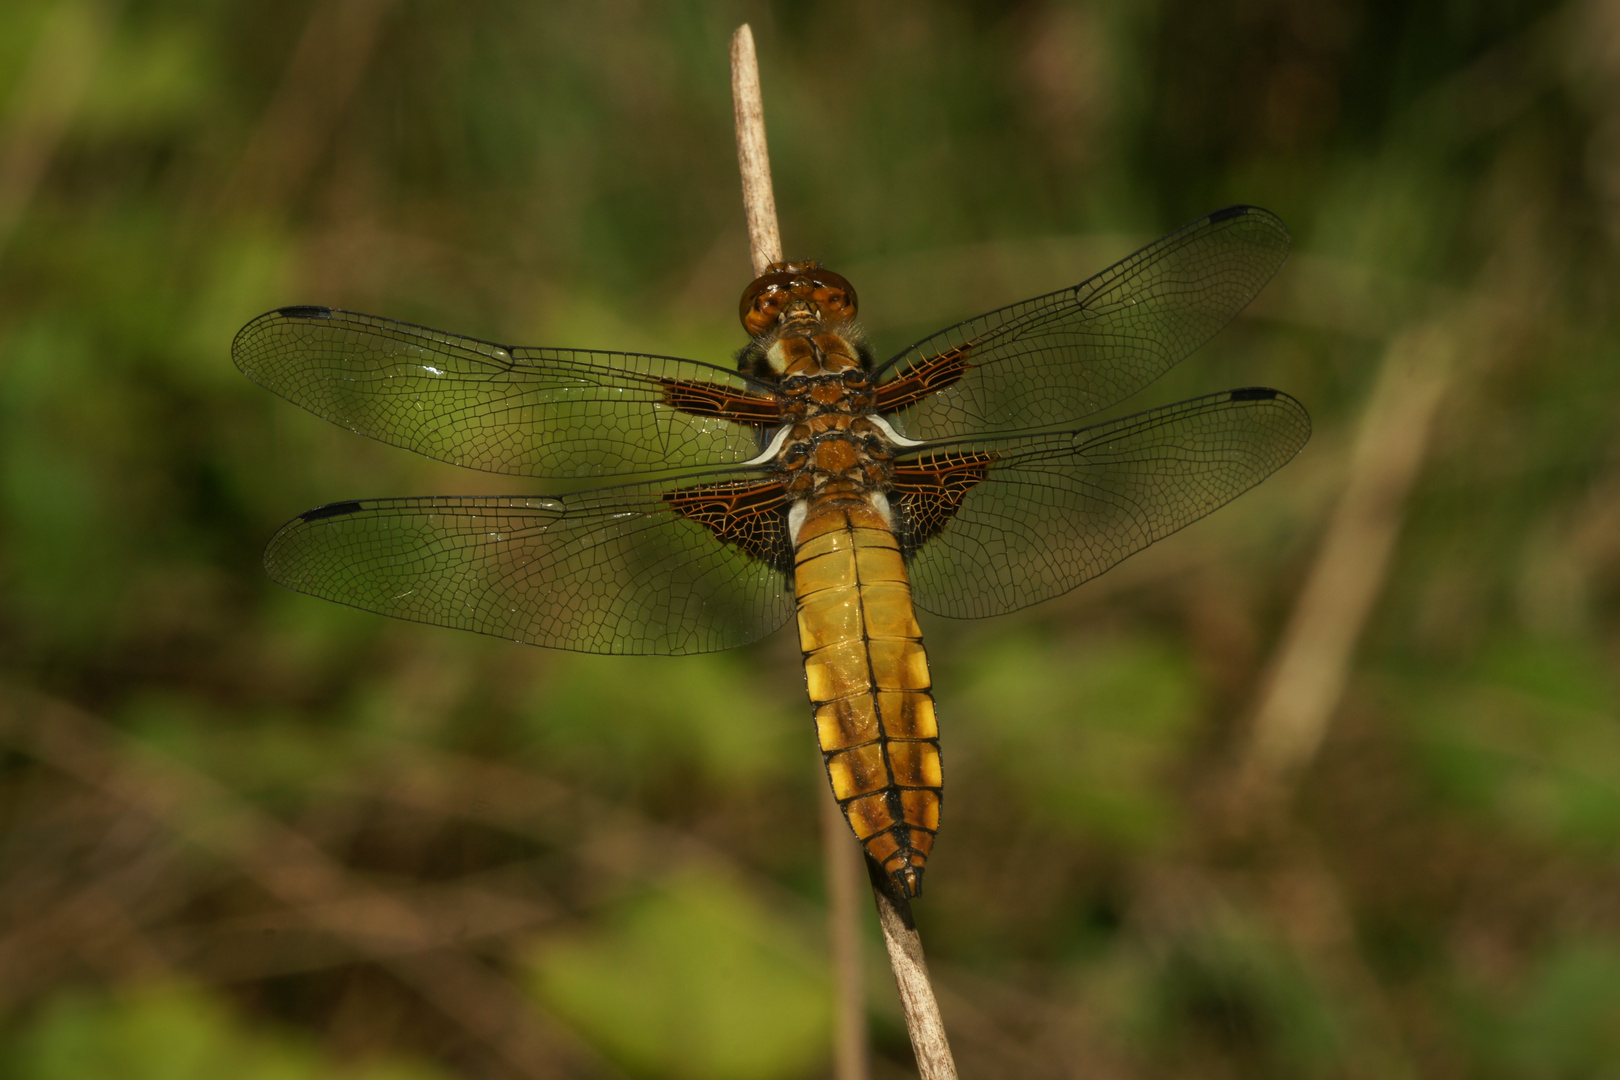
(834, 295)
(769, 302)
(761, 312)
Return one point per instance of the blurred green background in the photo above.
(244, 832)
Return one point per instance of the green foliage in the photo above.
(697, 979)
(1234, 989)
(1561, 1023)
(1531, 743)
(1085, 732)
(628, 719)
(169, 1033)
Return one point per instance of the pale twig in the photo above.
(753, 160)
(894, 912)
(917, 1001)
(765, 248)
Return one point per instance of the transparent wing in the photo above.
(997, 525)
(617, 570)
(529, 412)
(1061, 357)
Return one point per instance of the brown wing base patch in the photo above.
(928, 491)
(721, 403)
(929, 377)
(748, 514)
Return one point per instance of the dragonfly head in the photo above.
(793, 296)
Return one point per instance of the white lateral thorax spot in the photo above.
(766, 456)
(796, 515)
(893, 435)
(880, 503)
(776, 356)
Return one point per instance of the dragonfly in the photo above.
(808, 481)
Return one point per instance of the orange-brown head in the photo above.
(796, 295)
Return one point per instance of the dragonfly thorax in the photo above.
(832, 445)
(806, 347)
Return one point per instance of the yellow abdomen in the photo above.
(867, 675)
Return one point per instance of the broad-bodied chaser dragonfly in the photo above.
(811, 479)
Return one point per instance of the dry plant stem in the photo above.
(1307, 678)
(923, 1023)
(894, 912)
(1312, 664)
(765, 247)
(843, 858)
(753, 160)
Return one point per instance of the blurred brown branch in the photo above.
(625, 844)
(325, 935)
(1306, 680)
(92, 925)
(1310, 668)
(298, 874)
(841, 860)
(320, 79)
(64, 59)
(1308, 674)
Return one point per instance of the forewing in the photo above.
(1061, 357)
(997, 525)
(617, 570)
(524, 411)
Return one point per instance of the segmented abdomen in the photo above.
(867, 675)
